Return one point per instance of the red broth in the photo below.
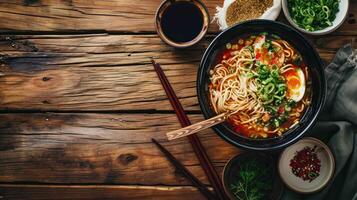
(278, 85)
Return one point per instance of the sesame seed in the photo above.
(241, 10)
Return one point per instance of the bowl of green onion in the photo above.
(315, 17)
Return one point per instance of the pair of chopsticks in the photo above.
(193, 139)
(183, 170)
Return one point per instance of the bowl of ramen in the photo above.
(268, 77)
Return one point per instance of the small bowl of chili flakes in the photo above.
(307, 166)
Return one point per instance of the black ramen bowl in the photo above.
(311, 59)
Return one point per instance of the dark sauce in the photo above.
(182, 22)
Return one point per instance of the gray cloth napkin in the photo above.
(337, 127)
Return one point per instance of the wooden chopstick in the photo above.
(182, 169)
(194, 140)
(194, 128)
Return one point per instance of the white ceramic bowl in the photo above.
(340, 18)
(271, 13)
(326, 171)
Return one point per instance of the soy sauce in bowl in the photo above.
(181, 23)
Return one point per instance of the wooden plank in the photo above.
(94, 192)
(99, 148)
(95, 72)
(83, 15)
(103, 72)
(55, 15)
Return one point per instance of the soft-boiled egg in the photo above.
(295, 82)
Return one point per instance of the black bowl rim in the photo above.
(313, 118)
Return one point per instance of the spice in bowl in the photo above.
(235, 11)
(305, 164)
(241, 10)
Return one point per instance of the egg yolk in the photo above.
(293, 82)
(292, 79)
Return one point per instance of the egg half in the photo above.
(295, 82)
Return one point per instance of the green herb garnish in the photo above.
(313, 15)
(272, 92)
(273, 86)
(253, 182)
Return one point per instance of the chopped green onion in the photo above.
(228, 46)
(313, 15)
(268, 80)
(276, 123)
(269, 88)
(266, 45)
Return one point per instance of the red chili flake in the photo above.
(274, 61)
(227, 54)
(305, 164)
(281, 110)
(258, 55)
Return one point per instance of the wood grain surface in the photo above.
(93, 192)
(99, 148)
(111, 16)
(104, 72)
(55, 15)
(80, 101)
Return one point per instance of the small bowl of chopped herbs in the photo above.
(252, 176)
(316, 17)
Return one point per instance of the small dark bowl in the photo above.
(159, 13)
(232, 168)
(310, 57)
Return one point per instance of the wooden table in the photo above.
(80, 101)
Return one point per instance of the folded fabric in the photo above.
(337, 127)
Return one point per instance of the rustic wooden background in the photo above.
(79, 100)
